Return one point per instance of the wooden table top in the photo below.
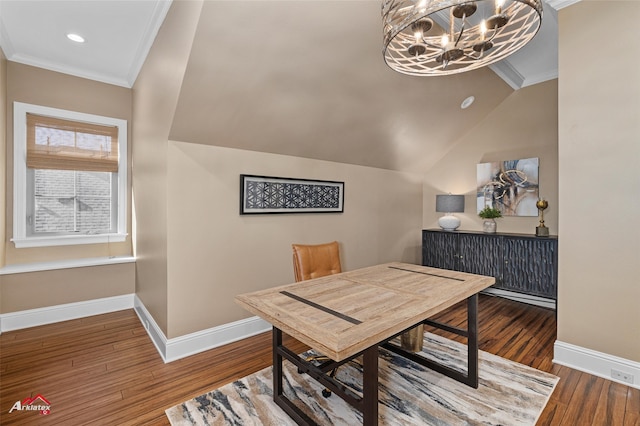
(343, 314)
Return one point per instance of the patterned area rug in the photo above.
(509, 394)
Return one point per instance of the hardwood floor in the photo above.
(104, 370)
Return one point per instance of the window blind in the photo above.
(54, 143)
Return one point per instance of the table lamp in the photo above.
(448, 204)
(542, 230)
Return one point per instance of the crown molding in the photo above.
(508, 73)
(70, 70)
(561, 4)
(159, 13)
(541, 78)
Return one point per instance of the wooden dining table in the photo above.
(351, 314)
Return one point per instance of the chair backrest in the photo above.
(314, 261)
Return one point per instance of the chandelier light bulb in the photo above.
(445, 41)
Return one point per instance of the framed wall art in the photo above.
(268, 194)
(510, 186)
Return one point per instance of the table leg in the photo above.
(277, 363)
(279, 397)
(367, 403)
(472, 341)
(370, 386)
(471, 333)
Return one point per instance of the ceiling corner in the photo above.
(508, 73)
(157, 18)
(560, 4)
(5, 40)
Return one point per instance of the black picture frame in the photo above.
(277, 195)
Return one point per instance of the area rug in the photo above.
(409, 394)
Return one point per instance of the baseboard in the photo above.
(153, 329)
(169, 349)
(521, 297)
(597, 363)
(52, 314)
(200, 341)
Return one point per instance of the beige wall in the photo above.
(215, 253)
(155, 96)
(599, 153)
(47, 88)
(33, 290)
(523, 126)
(194, 251)
(41, 289)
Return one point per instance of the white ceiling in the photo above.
(119, 35)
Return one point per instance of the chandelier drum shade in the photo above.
(442, 37)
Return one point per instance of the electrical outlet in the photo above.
(622, 376)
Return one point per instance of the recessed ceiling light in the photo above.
(467, 102)
(75, 37)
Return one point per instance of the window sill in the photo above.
(68, 240)
(64, 264)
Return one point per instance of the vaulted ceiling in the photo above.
(296, 78)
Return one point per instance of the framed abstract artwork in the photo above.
(268, 194)
(510, 186)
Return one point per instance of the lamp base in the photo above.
(542, 231)
(449, 222)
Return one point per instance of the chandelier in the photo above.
(441, 37)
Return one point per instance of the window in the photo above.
(70, 177)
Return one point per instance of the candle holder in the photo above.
(541, 229)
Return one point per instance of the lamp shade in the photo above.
(450, 203)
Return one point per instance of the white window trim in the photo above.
(21, 268)
(20, 238)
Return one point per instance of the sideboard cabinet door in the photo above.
(440, 250)
(481, 254)
(530, 266)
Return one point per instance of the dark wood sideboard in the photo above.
(521, 264)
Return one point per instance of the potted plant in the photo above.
(489, 214)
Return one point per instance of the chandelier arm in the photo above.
(495, 33)
(464, 18)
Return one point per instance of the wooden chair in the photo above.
(315, 261)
